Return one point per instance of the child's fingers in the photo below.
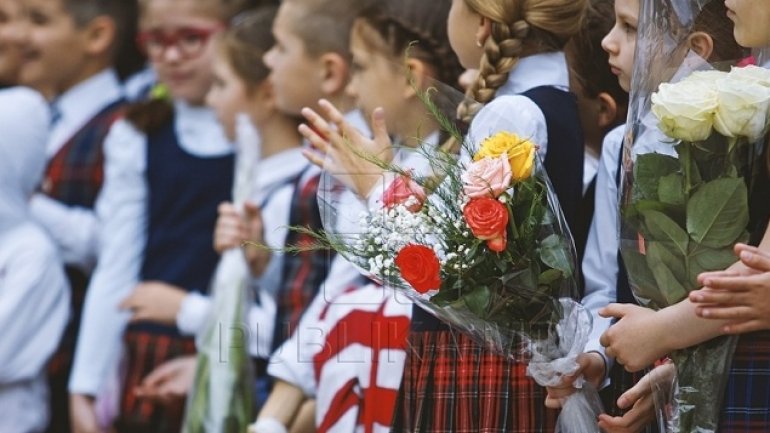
(743, 327)
(614, 310)
(715, 274)
(315, 158)
(338, 119)
(737, 283)
(636, 393)
(380, 127)
(317, 141)
(738, 313)
(709, 296)
(756, 260)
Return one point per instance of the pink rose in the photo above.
(487, 177)
(401, 190)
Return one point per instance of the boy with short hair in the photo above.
(69, 48)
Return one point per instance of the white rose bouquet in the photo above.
(689, 207)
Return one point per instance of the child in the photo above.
(241, 87)
(157, 213)
(524, 75)
(602, 103)
(745, 406)
(34, 293)
(69, 48)
(10, 54)
(367, 326)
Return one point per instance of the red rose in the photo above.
(399, 192)
(420, 267)
(488, 220)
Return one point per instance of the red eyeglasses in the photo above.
(190, 41)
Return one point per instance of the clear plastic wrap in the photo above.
(221, 399)
(696, 122)
(479, 241)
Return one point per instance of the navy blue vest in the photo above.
(184, 193)
(563, 163)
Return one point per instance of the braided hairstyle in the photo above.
(519, 27)
(415, 28)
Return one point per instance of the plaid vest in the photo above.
(75, 174)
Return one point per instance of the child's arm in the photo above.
(122, 213)
(280, 409)
(74, 229)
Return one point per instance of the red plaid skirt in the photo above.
(451, 384)
(146, 351)
(746, 406)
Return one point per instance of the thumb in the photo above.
(159, 375)
(641, 389)
(251, 210)
(614, 310)
(380, 128)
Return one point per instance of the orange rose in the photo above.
(488, 220)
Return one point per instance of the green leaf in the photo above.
(671, 189)
(550, 276)
(717, 214)
(705, 259)
(556, 253)
(642, 280)
(648, 169)
(668, 270)
(478, 300)
(661, 229)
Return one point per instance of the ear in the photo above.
(418, 74)
(334, 72)
(701, 43)
(484, 30)
(100, 35)
(608, 110)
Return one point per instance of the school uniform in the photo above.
(158, 209)
(81, 119)
(450, 382)
(746, 405)
(34, 292)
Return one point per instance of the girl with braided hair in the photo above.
(450, 382)
(347, 354)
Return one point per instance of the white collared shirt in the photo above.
(122, 212)
(600, 263)
(74, 229)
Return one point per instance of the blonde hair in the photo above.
(519, 27)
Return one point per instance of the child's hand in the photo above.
(342, 150)
(742, 298)
(635, 339)
(154, 301)
(257, 257)
(640, 401)
(231, 229)
(590, 365)
(169, 382)
(83, 415)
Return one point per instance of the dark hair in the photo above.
(124, 13)
(589, 63)
(713, 20)
(246, 41)
(324, 25)
(418, 28)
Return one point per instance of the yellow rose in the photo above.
(521, 153)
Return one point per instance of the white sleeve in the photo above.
(122, 212)
(600, 263)
(513, 113)
(34, 305)
(74, 229)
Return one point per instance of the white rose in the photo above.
(743, 108)
(685, 110)
(753, 74)
(706, 76)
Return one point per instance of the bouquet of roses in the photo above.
(480, 242)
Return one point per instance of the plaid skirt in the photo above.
(453, 385)
(146, 351)
(746, 406)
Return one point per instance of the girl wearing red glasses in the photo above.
(168, 166)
